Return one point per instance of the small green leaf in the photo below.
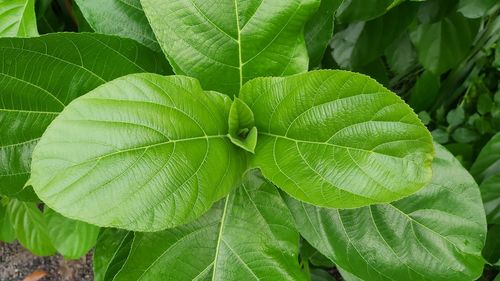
(242, 130)
(337, 138)
(456, 117)
(227, 44)
(424, 117)
(7, 233)
(112, 249)
(465, 135)
(71, 238)
(17, 18)
(30, 227)
(484, 104)
(249, 235)
(124, 18)
(444, 44)
(440, 136)
(143, 152)
(435, 234)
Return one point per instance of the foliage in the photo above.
(188, 140)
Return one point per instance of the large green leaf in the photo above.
(362, 42)
(360, 10)
(17, 18)
(30, 227)
(7, 233)
(71, 238)
(40, 76)
(337, 139)
(227, 44)
(143, 152)
(249, 235)
(444, 44)
(435, 234)
(487, 163)
(111, 251)
(119, 17)
(319, 30)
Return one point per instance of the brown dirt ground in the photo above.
(16, 263)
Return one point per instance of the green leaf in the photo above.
(40, 76)
(227, 44)
(426, 91)
(361, 10)
(435, 234)
(7, 233)
(30, 227)
(315, 258)
(443, 45)
(487, 163)
(143, 152)
(319, 30)
(124, 18)
(400, 54)
(318, 274)
(490, 192)
(17, 18)
(491, 251)
(456, 117)
(362, 42)
(111, 251)
(240, 238)
(337, 139)
(242, 130)
(71, 238)
(465, 135)
(431, 11)
(484, 103)
(476, 8)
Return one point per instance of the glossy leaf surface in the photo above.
(240, 238)
(71, 238)
(143, 152)
(17, 18)
(30, 227)
(227, 44)
(124, 18)
(337, 139)
(111, 251)
(442, 45)
(40, 76)
(435, 234)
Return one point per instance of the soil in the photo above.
(16, 263)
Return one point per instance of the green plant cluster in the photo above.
(245, 140)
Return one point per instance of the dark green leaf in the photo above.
(456, 117)
(319, 30)
(434, 234)
(401, 54)
(227, 44)
(465, 135)
(426, 91)
(337, 139)
(484, 104)
(7, 233)
(491, 251)
(111, 251)
(487, 163)
(431, 11)
(40, 76)
(17, 18)
(250, 235)
(360, 10)
(30, 227)
(143, 152)
(476, 8)
(490, 191)
(318, 274)
(71, 238)
(119, 17)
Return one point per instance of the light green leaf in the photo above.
(227, 44)
(242, 130)
(444, 44)
(17, 18)
(319, 30)
(7, 233)
(476, 8)
(40, 76)
(111, 251)
(487, 163)
(240, 238)
(124, 18)
(490, 192)
(362, 10)
(71, 238)
(362, 42)
(143, 152)
(30, 227)
(434, 234)
(337, 139)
